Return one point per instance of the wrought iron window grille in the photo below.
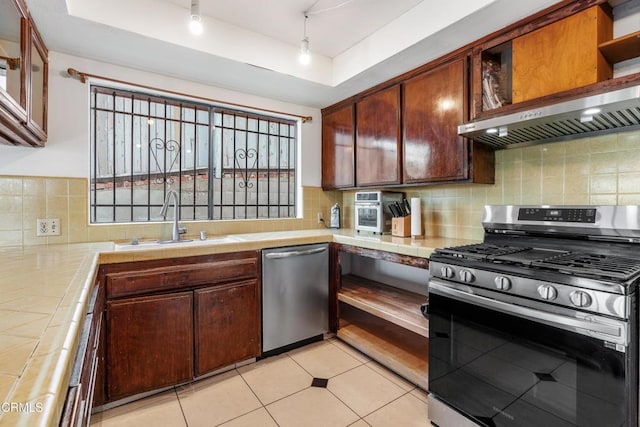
(224, 163)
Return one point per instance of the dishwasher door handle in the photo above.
(280, 255)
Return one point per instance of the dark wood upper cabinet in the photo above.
(433, 107)
(23, 94)
(378, 141)
(338, 148)
(406, 134)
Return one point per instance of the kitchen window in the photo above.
(224, 163)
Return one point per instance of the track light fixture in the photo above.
(305, 55)
(195, 23)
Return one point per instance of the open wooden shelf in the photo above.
(622, 48)
(400, 350)
(395, 305)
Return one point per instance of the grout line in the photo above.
(264, 406)
(184, 416)
(414, 386)
(285, 397)
(340, 373)
(308, 387)
(249, 385)
(254, 393)
(352, 348)
(271, 415)
(390, 402)
(377, 409)
(375, 372)
(289, 395)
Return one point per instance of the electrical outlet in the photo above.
(48, 227)
(320, 218)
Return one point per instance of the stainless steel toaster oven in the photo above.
(372, 210)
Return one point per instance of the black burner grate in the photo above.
(606, 266)
(481, 251)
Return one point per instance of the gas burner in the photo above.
(604, 266)
(481, 251)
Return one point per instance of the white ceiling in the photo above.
(333, 26)
(252, 45)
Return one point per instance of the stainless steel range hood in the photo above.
(613, 111)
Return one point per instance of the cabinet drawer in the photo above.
(179, 276)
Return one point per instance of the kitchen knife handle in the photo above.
(399, 209)
(406, 206)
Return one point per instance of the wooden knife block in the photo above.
(401, 227)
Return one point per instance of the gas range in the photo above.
(539, 323)
(550, 261)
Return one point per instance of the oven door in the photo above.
(504, 364)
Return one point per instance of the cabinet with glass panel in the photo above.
(23, 77)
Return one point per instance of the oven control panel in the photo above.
(581, 215)
(534, 289)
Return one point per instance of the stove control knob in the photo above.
(447, 272)
(503, 283)
(580, 298)
(547, 292)
(466, 276)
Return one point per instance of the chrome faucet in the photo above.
(176, 230)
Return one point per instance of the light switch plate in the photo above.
(47, 227)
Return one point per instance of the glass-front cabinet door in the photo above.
(23, 77)
(12, 58)
(38, 86)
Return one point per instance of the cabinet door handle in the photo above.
(280, 255)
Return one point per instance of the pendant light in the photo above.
(305, 56)
(195, 23)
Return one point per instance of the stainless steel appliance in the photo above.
(538, 325)
(295, 295)
(372, 210)
(614, 111)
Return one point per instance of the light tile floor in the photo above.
(277, 391)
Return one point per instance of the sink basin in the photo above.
(157, 244)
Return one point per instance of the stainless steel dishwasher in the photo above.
(295, 295)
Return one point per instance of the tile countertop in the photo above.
(44, 291)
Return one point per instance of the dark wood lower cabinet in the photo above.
(227, 325)
(170, 321)
(150, 343)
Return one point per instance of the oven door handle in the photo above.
(606, 329)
